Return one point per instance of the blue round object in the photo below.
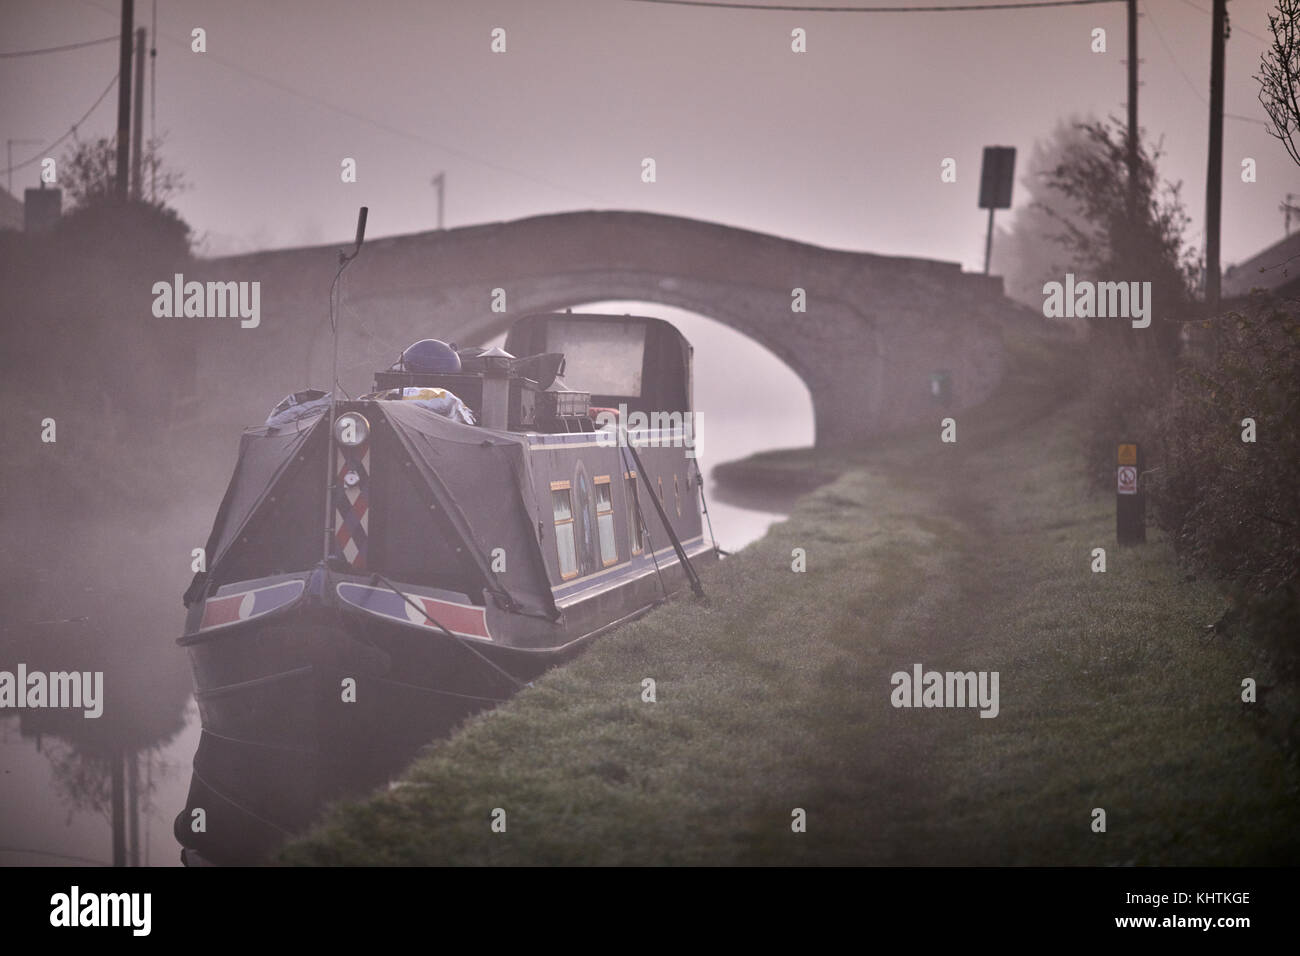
(430, 355)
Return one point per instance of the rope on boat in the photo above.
(519, 685)
(640, 517)
(699, 474)
(687, 567)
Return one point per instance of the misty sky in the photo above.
(840, 146)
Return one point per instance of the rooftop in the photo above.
(1276, 269)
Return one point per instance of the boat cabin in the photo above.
(633, 362)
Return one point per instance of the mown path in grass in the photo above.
(774, 693)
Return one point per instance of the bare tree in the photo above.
(1104, 239)
(89, 172)
(1024, 252)
(1279, 76)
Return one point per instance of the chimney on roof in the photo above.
(42, 209)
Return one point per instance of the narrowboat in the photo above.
(381, 568)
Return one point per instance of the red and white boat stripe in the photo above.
(244, 605)
(465, 620)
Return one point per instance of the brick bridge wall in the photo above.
(875, 328)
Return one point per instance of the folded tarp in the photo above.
(266, 452)
(481, 481)
(299, 405)
(439, 400)
(484, 485)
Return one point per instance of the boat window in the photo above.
(562, 507)
(605, 520)
(633, 522)
(604, 358)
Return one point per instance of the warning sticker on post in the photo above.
(1128, 454)
(1128, 480)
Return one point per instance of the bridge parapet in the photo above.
(875, 331)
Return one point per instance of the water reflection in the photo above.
(103, 595)
(94, 789)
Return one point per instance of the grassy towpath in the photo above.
(774, 692)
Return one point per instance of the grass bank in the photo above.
(774, 692)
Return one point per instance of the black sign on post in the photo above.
(1130, 500)
(996, 177)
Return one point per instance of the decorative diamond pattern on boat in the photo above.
(352, 505)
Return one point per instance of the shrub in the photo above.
(1232, 507)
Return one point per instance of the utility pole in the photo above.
(440, 181)
(118, 790)
(1287, 209)
(1132, 111)
(137, 121)
(133, 808)
(1214, 171)
(124, 99)
(153, 103)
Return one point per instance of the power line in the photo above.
(1173, 59)
(57, 49)
(964, 7)
(153, 139)
(378, 124)
(1241, 29)
(1183, 73)
(394, 130)
(71, 130)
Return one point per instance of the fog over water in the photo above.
(120, 610)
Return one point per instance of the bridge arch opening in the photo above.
(750, 399)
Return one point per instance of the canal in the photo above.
(106, 597)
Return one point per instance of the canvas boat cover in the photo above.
(480, 479)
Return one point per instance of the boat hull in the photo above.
(319, 699)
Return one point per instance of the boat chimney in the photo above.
(496, 388)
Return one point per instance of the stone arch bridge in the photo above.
(875, 330)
